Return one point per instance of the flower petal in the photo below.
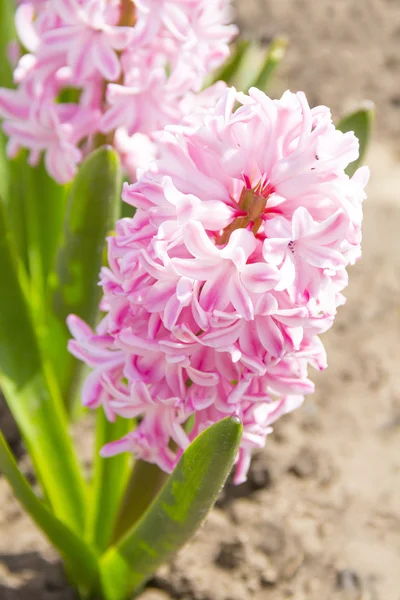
(259, 277)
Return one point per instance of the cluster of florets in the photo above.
(108, 70)
(218, 287)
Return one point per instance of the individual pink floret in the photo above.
(219, 286)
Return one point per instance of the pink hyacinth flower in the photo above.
(234, 263)
(139, 66)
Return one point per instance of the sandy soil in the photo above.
(340, 53)
(319, 518)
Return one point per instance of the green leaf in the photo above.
(109, 481)
(48, 209)
(91, 213)
(12, 188)
(7, 35)
(271, 60)
(233, 64)
(149, 479)
(36, 207)
(255, 64)
(4, 167)
(361, 122)
(176, 512)
(80, 560)
(32, 394)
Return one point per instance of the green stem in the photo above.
(109, 474)
(145, 483)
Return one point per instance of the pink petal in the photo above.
(14, 105)
(202, 378)
(80, 58)
(115, 117)
(62, 164)
(105, 58)
(197, 269)
(197, 241)
(287, 274)
(259, 277)
(240, 240)
(240, 298)
(223, 338)
(274, 250)
(69, 10)
(159, 294)
(242, 466)
(184, 290)
(24, 17)
(60, 39)
(323, 257)
(215, 293)
(302, 222)
(120, 37)
(117, 447)
(172, 311)
(270, 336)
(92, 390)
(78, 328)
(331, 230)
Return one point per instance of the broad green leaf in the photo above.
(32, 394)
(176, 512)
(91, 213)
(12, 196)
(147, 478)
(233, 64)
(361, 122)
(271, 60)
(80, 560)
(48, 208)
(35, 206)
(7, 35)
(109, 481)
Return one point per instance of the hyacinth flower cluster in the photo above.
(115, 71)
(219, 286)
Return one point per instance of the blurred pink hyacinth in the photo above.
(219, 286)
(98, 66)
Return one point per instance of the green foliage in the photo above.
(91, 213)
(35, 207)
(176, 512)
(233, 65)
(80, 560)
(272, 58)
(7, 35)
(31, 393)
(252, 64)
